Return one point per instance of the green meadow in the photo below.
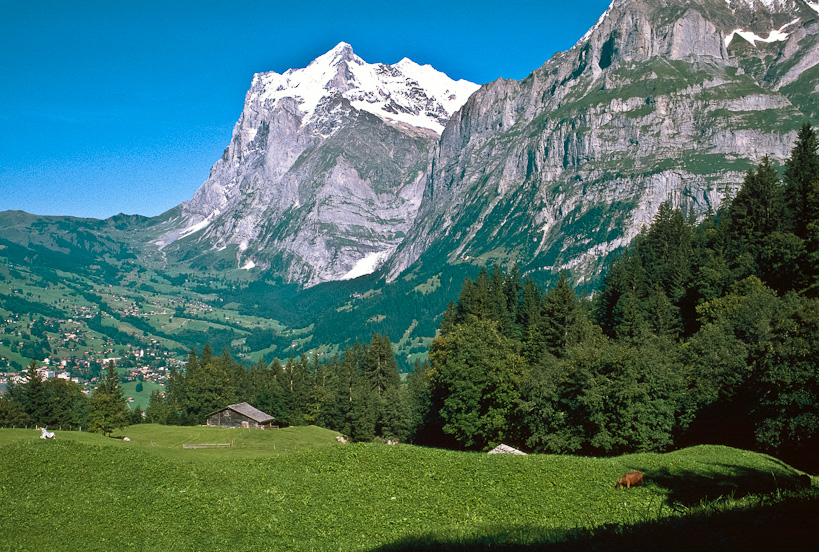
(299, 489)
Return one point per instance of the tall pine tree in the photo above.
(801, 172)
(109, 409)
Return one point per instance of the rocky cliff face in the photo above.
(324, 174)
(341, 167)
(660, 100)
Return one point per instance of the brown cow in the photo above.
(631, 479)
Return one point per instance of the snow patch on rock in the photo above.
(368, 264)
(770, 4)
(778, 35)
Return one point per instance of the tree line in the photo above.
(358, 393)
(58, 403)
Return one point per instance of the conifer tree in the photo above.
(801, 171)
(812, 240)
(661, 315)
(297, 388)
(12, 413)
(757, 210)
(157, 411)
(269, 396)
(207, 387)
(33, 395)
(529, 313)
(67, 404)
(513, 288)
(620, 300)
(396, 414)
(474, 297)
(109, 409)
(207, 354)
(344, 381)
(498, 307)
(710, 265)
(450, 318)
(564, 320)
(630, 324)
(665, 250)
(380, 366)
(419, 398)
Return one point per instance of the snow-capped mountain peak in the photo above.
(404, 92)
(324, 172)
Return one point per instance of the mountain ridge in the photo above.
(338, 149)
(632, 115)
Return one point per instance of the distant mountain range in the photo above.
(346, 169)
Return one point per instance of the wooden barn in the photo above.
(241, 415)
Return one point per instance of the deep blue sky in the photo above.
(123, 105)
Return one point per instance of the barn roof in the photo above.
(246, 410)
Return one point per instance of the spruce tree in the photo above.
(757, 210)
(665, 250)
(498, 301)
(801, 171)
(33, 396)
(661, 315)
(620, 301)
(564, 320)
(531, 305)
(207, 387)
(513, 288)
(109, 409)
(812, 240)
(207, 354)
(451, 317)
(380, 366)
(419, 398)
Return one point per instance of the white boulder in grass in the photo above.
(506, 449)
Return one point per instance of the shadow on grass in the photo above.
(788, 524)
(687, 488)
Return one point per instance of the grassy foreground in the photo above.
(87, 492)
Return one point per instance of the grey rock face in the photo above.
(652, 104)
(324, 173)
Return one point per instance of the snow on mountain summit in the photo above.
(773, 5)
(770, 4)
(324, 172)
(404, 92)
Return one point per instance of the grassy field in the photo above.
(142, 398)
(298, 489)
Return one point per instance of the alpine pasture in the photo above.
(299, 489)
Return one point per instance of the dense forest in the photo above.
(706, 330)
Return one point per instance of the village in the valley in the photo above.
(67, 349)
